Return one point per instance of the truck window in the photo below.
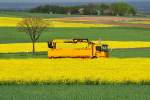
(105, 48)
(98, 48)
(50, 44)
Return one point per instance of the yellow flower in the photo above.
(73, 24)
(140, 22)
(9, 21)
(111, 69)
(12, 22)
(126, 44)
(27, 47)
(22, 47)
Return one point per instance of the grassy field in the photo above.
(11, 35)
(124, 53)
(131, 53)
(27, 14)
(74, 92)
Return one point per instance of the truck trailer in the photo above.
(77, 48)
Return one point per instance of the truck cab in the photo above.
(102, 50)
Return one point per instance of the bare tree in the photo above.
(33, 27)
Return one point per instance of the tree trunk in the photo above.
(33, 49)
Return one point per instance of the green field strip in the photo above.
(74, 92)
(11, 35)
(115, 53)
(23, 14)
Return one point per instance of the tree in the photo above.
(116, 8)
(132, 10)
(33, 27)
(89, 9)
(102, 7)
(121, 9)
(49, 9)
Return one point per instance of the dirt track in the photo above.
(109, 20)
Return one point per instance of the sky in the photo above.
(65, 0)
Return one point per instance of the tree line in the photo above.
(115, 9)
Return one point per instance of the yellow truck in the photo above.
(77, 48)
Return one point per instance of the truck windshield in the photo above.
(98, 48)
(105, 48)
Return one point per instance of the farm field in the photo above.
(43, 46)
(125, 34)
(129, 57)
(124, 42)
(13, 22)
(74, 92)
(116, 53)
(27, 14)
(11, 35)
(112, 70)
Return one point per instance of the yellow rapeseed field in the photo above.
(12, 22)
(127, 44)
(22, 47)
(9, 21)
(73, 24)
(111, 70)
(140, 22)
(27, 47)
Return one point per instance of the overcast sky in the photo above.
(64, 0)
